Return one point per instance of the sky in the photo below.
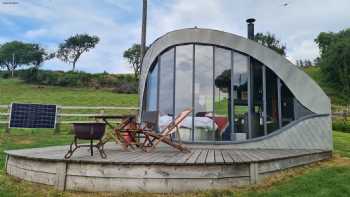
(118, 24)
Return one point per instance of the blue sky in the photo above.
(117, 23)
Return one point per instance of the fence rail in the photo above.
(77, 113)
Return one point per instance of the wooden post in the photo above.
(58, 120)
(253, 173)
(61, 176)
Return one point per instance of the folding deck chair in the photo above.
(152, 139)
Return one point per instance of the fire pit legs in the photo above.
(99, 146)
(91, 132)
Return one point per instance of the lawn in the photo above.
(16, 91)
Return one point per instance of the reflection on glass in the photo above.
(222, 106)
(287, 105)
(152, 82)
(257, 102)
(240, 95)
(271, 101)
(166, 84)
(183, 86)
(203, 93)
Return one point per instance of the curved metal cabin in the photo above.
(243, 95)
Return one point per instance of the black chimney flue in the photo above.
(250, 22)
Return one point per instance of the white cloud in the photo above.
(117, 23)
(36, 33)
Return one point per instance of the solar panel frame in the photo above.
(40, 120)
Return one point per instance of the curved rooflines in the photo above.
(301, 85)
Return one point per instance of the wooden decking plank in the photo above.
(227, 157)
(253, 155)
(194, 156)
(175, 157)
(165, 158)
(219, 157)
(236, 157)
(210, 156)
(202, 157)
(184, 157)
(144, 158)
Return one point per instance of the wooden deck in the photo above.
(163, 155)
(164, 170)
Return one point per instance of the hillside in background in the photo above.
(337, 97)
(14, 90)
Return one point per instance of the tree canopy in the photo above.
(269, 40)
(335, 58)
(16, 54)
(72, 48)
(132, 55)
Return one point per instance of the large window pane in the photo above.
(222, 106)
(240, 96)
(257, 100)
(166, 84)
(203, 93)
(152, 83)
(183, 86)
(287, 103)
(271, 101)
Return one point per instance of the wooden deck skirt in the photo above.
(165, 170)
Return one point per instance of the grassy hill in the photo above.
(14, 90)
(337, 97)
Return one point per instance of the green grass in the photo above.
(14, 90)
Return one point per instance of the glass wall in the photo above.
(152, 87)
(257, 124)
(233, 96)
(184, 86)
(240, 96)
(222, 85)
(271, 123)
(166, 83)
(203, 94)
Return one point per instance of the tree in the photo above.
(335, 58)
(15, 54)
(269, 40)
(132, 55)
(38, 55)
(72, 48)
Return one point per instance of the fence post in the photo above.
(7, 127)
(58, 120)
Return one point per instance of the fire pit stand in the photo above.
(87, 131)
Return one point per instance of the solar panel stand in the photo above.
(7, 127)
(58, 120)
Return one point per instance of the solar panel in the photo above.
(32, 116)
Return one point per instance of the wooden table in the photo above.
(127, 126)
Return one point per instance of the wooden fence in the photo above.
(74, 114)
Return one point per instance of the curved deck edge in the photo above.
(96, 177)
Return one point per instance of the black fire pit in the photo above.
(88, 131)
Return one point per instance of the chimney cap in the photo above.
(250, 20)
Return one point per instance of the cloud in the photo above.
(117, 23)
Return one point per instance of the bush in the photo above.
(343, 126)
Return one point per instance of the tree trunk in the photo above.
(74, 66)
